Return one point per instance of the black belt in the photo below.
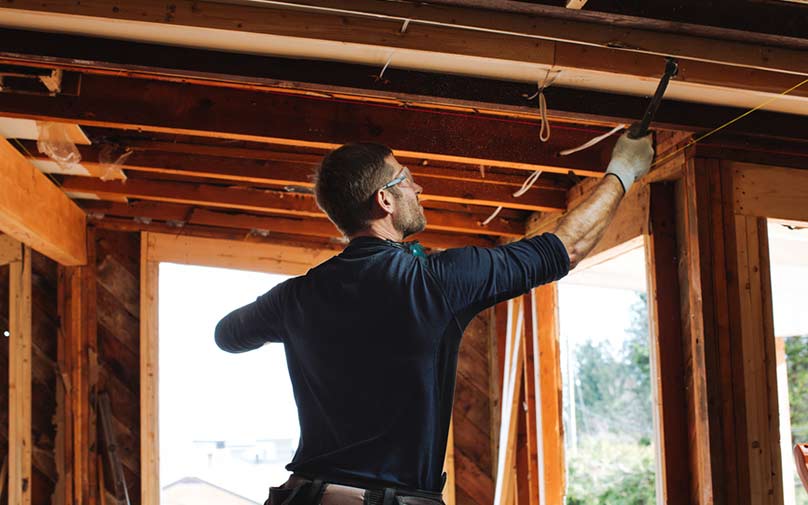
(376, 493)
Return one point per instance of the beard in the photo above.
(411, 220)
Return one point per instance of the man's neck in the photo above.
(382, 229)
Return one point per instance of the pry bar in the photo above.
(640, 129)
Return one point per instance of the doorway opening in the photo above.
(228, 422)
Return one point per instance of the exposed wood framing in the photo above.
(358, 82)
(261, 200)
(9, 249)
(729, 343)
(78, 349)
(532, 398)
(772, 192)
(552, 469)
(449, 468)
(19, 383)
(272, 258)
(35, 212)
(576, 4)
(504, 493)
(438, 184)
(149, 402)
(567, 43)
(274, 118)
(666, 348)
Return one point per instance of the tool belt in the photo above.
(299, 490)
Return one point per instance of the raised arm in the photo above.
(251, 326)
(583, 226)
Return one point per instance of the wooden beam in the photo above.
(552, 469)
(772, 192)
(181, 215)
(35, 212)
(456, 137)
(9, 250)
(581, 42)
(576, 4)
(260, 200)
(353, 81)
(441, 188)
(666, 347)
(271, 258)
(19, 383)
(149, 382)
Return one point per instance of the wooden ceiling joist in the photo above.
(208, 111)
(255, 200)
(462, 30)
(146, 212)
(35, 212)
(285, 174)
(358, 80)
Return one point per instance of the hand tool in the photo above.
(640, 129)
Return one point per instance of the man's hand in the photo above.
(631, 159)
(583, 226)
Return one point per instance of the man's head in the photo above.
(359, 184)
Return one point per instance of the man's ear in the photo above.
(385, 201)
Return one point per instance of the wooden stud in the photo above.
(552, 469)
(9, 249)
(506, 462)
(666, 347)
(449, 468)
(35, 212)
(149, 385)
(19, 384)
(532, 398)
(576, 4)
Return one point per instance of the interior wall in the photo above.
(473, 425)
(117, 307)
(44, 375)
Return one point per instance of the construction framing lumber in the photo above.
(504, 492)
(576, 4)
(35, 212)
(260, 200)
(275, 118)
(352, 81)
(487, 33)
(552, 469)
(272, 258)
(9, 249)
(20, 441)
(772, 192)
(149, 366)
(666, 349)
(532, 400)
(449, 467)
(146, 214)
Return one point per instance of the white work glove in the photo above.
(631, 159)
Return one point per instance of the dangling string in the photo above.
(592, 142)
(544, 132)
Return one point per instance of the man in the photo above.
(371, 336)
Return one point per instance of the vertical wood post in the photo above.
(531, 398)
(19, 384)
(149, 428)
(666, 346)
(552, 480)
(729, 344)
(78, 369)
(449, 468)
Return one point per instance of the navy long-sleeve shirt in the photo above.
(371, 339)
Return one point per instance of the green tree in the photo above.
(797, 363)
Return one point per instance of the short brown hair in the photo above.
(347, 179)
